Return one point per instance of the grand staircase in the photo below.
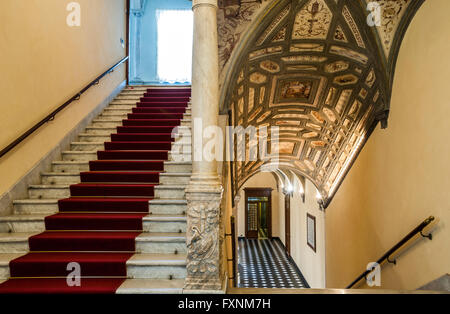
(114, 204)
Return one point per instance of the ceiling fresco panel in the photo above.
(315, 72)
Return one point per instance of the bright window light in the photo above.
(175, 34)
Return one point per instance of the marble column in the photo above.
(204, 192)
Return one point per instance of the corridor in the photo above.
(264, 264)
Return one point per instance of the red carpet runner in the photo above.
(97, 226)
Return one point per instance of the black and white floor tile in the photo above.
(263, 263)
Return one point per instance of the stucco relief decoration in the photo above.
(202, 238)
(391, 15)
(339, 34)
(353, 27)
(313, 21)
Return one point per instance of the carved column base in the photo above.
(204, 260)
(203, 284)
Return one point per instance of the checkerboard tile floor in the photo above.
(263, 263)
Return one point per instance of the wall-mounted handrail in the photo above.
(52, 115)
(385, 257)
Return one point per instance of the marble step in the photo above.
(179, 156)
(70, 166)
(87, 146)
(182, 140)
(183, 131)
(151, 286)
(106, 123)
(86, 137)
(119, 106)
(181, 178)
(142, 88)
(126, 101)
(35, 206)
(133, 92)
(49, 206)
(139, 266)
(177, 166)
(165, 223)
(186, 122)
(168, 206)
(52, 178)
(15, 242)
(120, 95)
(127, 97)
(92, 155)
(36, 223)
(157, 266)
(96, 130)
(5, 258)
(112, 116)
(117, 111)
(170, 191)
(155, 243)
(180, 147)
(48, 191)
(22, 223)
(79, 155)
(171, 243)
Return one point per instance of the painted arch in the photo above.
(322, 74)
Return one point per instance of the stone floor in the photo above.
(263, 263)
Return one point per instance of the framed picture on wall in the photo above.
(311, 231)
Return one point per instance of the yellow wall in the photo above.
(43, 63)
(402, 175)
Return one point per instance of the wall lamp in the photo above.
(302, 193)
(289, 189)
(320, 201)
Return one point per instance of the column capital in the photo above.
(197, 3)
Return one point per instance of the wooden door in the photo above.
(287, 223)
(252, 211)
(252, 220)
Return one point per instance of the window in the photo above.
(175, 34)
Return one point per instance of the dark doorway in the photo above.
(287, 222)
(258, 213)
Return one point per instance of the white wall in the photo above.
(311, 264)
(260, 180)
(281, 222)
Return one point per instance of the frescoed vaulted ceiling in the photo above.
(323, 75)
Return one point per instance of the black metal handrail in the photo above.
(385, 257)
(52, 115)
